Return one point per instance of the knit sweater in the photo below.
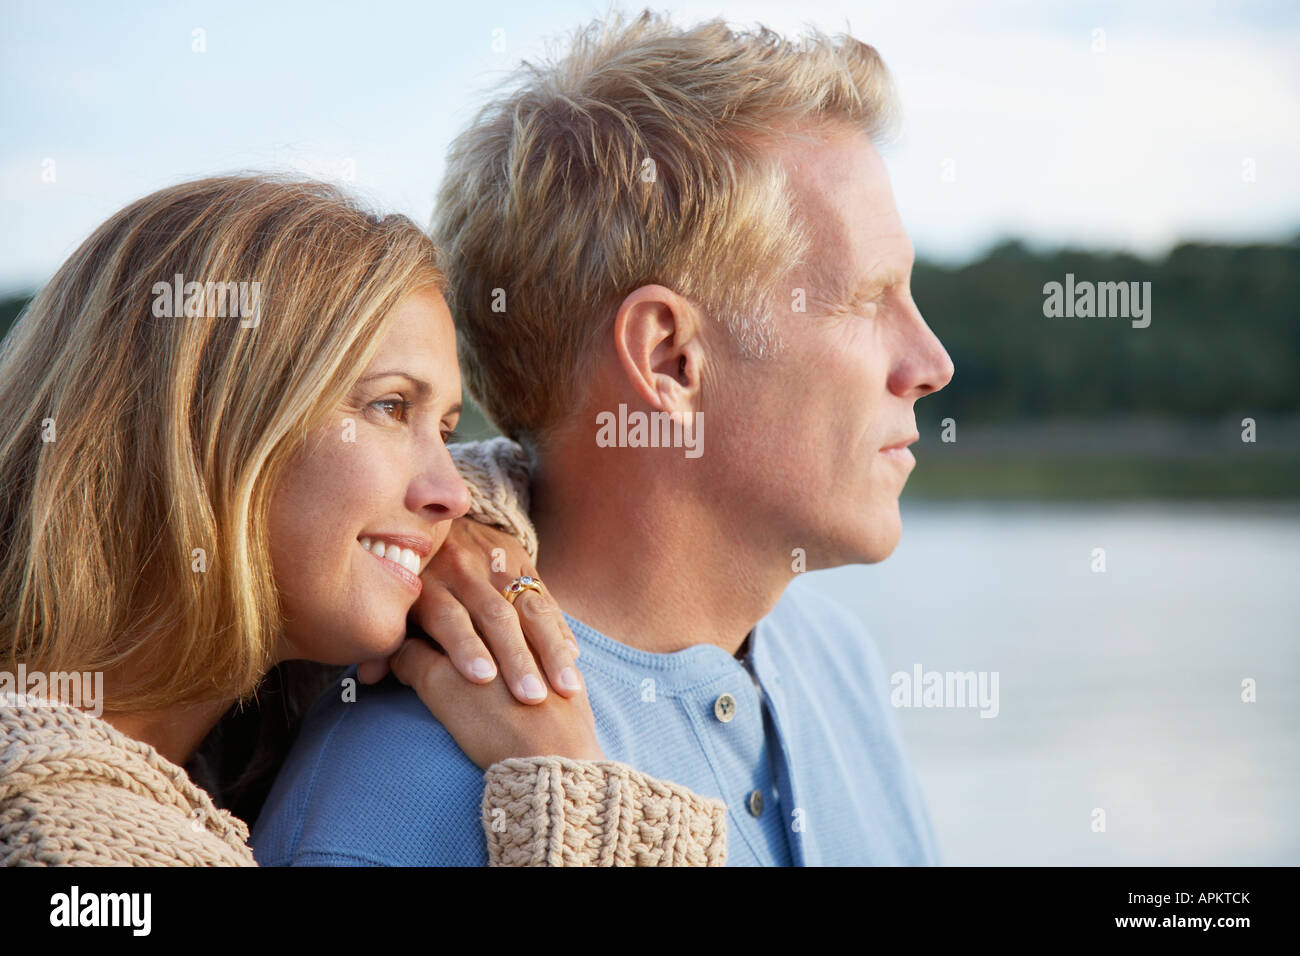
(551, 811)
(76, 791)
(497, 475)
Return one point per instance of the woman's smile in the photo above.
(403, 562)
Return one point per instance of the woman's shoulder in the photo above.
(76, 791)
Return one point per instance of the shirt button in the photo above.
(724, 708)
(756, 803)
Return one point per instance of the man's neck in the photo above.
(655, 569)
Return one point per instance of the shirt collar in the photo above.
(679, 671)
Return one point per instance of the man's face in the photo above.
(815, 425)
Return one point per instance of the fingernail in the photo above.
(481, 668)
(569, 679)
(532, 687)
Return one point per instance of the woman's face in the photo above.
(370, 497)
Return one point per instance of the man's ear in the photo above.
(658, 343)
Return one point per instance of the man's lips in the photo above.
(902, 443)
(900, 453)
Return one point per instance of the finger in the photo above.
(372, 672)
(547, 633)
(498, 623)
(446, 620)
(530, 571)
(431, 674)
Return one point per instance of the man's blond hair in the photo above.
(641, 156)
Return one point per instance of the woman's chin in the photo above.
(343, 646)
(387, 644)
(381, 633)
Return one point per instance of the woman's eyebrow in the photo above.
(422, 388)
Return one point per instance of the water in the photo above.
(1118, 690)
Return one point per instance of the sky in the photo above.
(1129, 125)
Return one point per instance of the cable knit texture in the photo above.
(551, 811)
(497, 473)
(74, 791)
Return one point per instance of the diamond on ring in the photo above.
(519, 585)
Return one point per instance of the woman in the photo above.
(226, 451)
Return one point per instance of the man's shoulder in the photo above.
(374, 780)
(832, 688)
(806, 618)
(825, 661)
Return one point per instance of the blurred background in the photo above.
(1115, 142)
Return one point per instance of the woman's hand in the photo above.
(487, 722)
(462, 600)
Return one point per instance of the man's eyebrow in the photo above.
(877, 280)
(847, 296)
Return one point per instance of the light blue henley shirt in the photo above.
(804, 749)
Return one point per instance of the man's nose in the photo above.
(924, 365)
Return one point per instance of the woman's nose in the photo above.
(438, 491)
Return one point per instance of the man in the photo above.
(694, 227)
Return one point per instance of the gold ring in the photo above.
(519, 586)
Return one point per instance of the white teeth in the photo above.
(404, 557)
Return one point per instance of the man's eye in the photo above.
(394, 408)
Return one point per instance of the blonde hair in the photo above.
(642, 156)
(170, 433)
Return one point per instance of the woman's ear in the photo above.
(657, 340)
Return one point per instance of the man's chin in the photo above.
(869, 544)
(878, 541)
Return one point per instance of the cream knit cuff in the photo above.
(552, 811)
(497, 472)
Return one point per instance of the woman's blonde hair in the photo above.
(641, 156)
(147, 421)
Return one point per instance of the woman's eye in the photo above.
(394, 408)
(450, 437)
